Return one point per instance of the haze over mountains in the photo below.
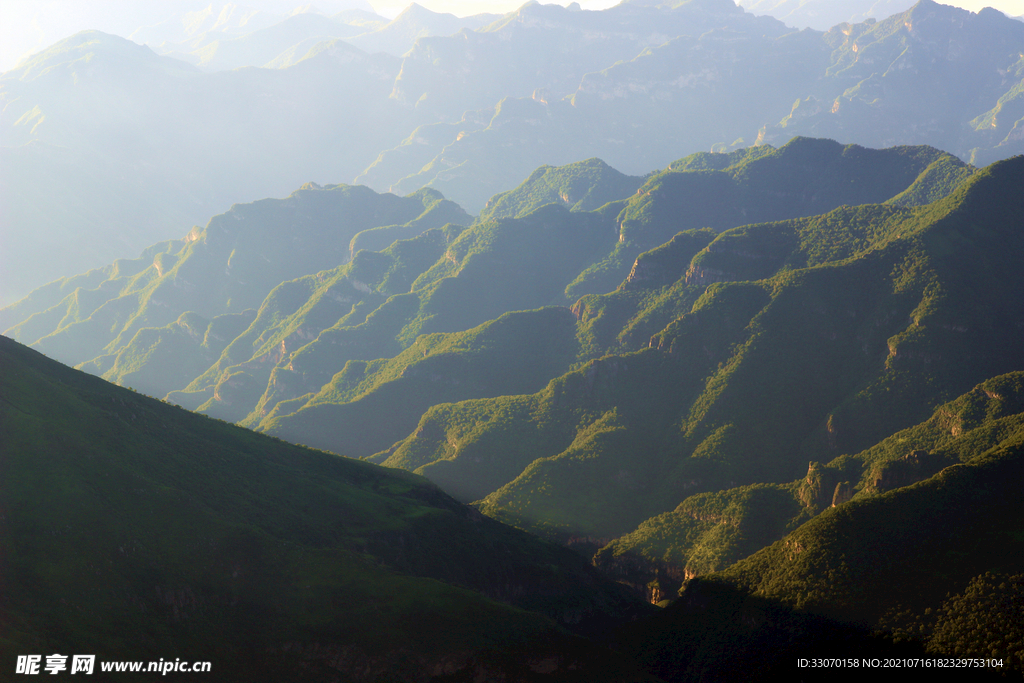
(821, 15)
(109, 148)
(730, 312)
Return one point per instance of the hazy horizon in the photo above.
(28, 26)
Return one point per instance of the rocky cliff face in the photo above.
(654, 580)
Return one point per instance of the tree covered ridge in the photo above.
(762, 375)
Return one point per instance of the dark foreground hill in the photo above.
(134, 530)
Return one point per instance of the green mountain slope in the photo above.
(490, 268)
(950, 564)
(145, 323)
(549, 252)
(229, 266)
(515, 354)
(966, 509)
(338, 307)
(804, 177)
(923, 573)
(709, 532)
(865, 328)
(172, 355)
(445, 280)
(206, 541)
(392, 353)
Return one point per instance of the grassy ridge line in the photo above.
(337, 307)
(461, 285)
(583, 186)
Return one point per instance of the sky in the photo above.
(28, 26)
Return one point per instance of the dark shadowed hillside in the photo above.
(206, 541)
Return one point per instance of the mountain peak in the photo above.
(416, 10)
(90, 45)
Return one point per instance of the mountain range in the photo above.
(738, 355)
(139, 152)
(821, 15)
